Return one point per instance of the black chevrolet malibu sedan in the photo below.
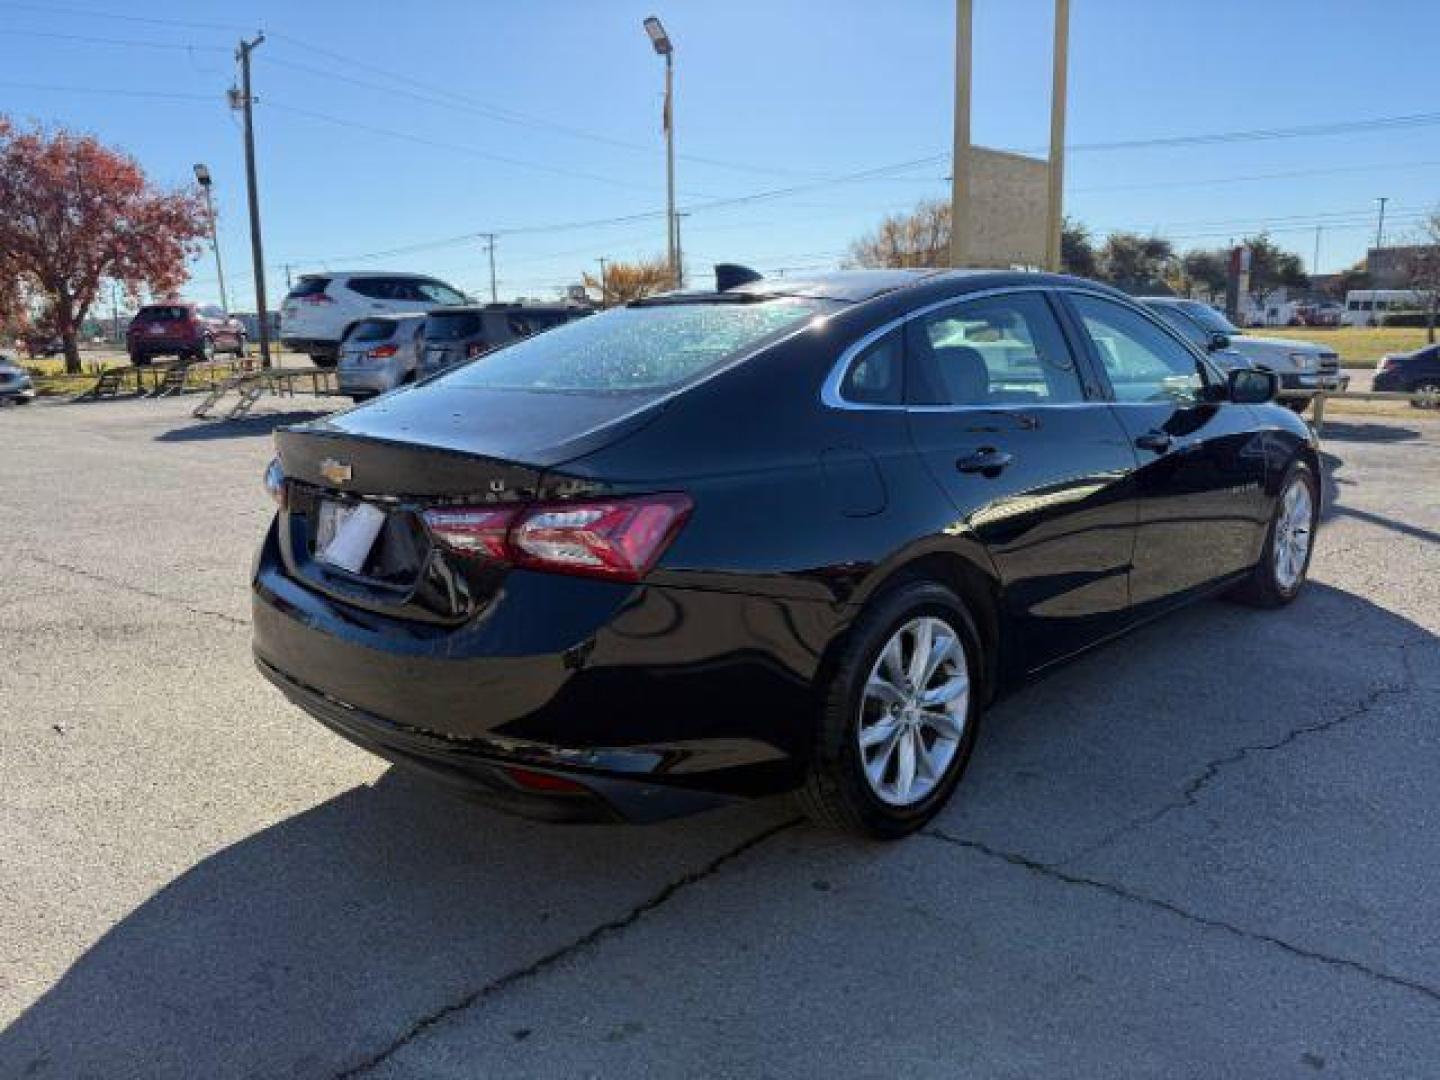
(788, 535)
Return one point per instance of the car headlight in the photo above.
(1303, 361)
(275, 482)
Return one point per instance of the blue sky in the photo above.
(383, 127)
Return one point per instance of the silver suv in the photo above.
(454, 335)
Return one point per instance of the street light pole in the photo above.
(666, 48)
(257, 250)
(202, 176)
(1380, 225)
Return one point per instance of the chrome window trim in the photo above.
(830, 390)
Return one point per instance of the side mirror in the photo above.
(1217, 341)
(1251, 386)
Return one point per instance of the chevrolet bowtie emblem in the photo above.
(337, 472)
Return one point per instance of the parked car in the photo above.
(43, 344)
(1416, 373)
(321, 309)
(15, 383)
(1304, 368)
(454, 335)
(184, 330)
(777, 536)
(379, 354)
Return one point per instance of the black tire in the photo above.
(240, 347)
(206, 354)
(1262, 588)
(323, 360)
(836, 793)
(1297, 405)
(138, 359)
(1426, 394)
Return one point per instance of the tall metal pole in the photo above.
(960, 155)
(602, 280)
(674, 225)
(215, 246)
(679, 253)
(1060, 61)
(490, 247)
(1380, 225)
(257, 250)
(1315, 262)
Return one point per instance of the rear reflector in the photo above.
(539, 781)
(619, 539)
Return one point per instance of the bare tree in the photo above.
(1423, 269)
(918, 238)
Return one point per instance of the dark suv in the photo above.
(1416, 373)
(182, 329)
(457, 334)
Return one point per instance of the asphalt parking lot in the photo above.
(1211, 849)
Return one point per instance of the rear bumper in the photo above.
(313, 346)
(483, 777)
(700, 696)
(375, 380)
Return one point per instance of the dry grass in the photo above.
(1359, 347)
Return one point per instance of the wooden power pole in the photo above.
(257, 249)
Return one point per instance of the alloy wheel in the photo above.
(1292, 534)
(914, 711)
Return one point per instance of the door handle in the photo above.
(987, 461)
(1155, 440)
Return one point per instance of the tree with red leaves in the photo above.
(75, 214)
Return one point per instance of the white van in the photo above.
(322, 308)
(1368, 307)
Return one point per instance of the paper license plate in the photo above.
(346, 533)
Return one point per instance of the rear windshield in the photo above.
(163, 313)
(451, 327)
(636, 348)
(308, 286)
(373, 330)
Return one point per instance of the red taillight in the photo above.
(473, 350)
(383, 352)
(619, 539)
(317, 298)
(475, 531)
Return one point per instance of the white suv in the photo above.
(320, 310)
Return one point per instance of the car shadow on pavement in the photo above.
(243, 428)
(316, 942)
(1343, 431)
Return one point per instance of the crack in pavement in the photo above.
(1190, 794)
(135, 590)
(1122, 893)
(563, 952)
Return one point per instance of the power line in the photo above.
(129, 43)
(112, 91)
(48, 9)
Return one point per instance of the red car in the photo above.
(183, 329)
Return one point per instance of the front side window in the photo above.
(998, 350)
(1143, 362)
(436, 292)
(639, 348)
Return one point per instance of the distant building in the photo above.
(1389, 267)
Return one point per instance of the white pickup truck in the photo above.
(1304, 367)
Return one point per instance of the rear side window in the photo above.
(451, 327)
(308, 286)
(642, 348)
(525, 323)
(163, 313)
(997, 350)
(437, 292)
(372, 330)
(875, 376)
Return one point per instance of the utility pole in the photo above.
(289, 284)
(115, 309)
(257, 250)
(960, 155)
(602, 281)
(1060, 61)
(489, 238)
(1315, 262)
(1380, 225)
